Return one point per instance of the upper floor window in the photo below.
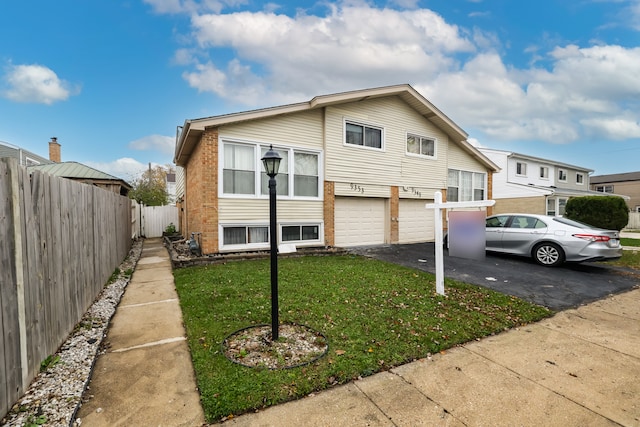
(544, 172)
(562, 175)
(298, 175)
(521, 169)
(238, 175)
(421, 146)
(604, 188)
(579, 178)
(365, 136)
(464, 186)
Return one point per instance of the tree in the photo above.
(150, 188)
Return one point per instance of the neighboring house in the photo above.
(24, 157)
(357, 169)
(71, 170)
(533, 185)
(620, 183)
(170, 181)
(88, 175)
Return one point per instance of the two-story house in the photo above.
(535, 185)
(357, 169)
(621, 183)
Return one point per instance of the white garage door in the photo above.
(416, 223)
(359, 221)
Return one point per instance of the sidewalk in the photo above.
(146, 376)
(580, 367)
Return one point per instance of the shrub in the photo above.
(609, 212)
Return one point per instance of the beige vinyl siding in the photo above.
(238, 210)
(361, 190)
(303, 130)
(461, 160)
(391, 165)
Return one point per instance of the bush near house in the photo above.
(608, 212)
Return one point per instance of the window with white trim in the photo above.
(579, 178)
(363, 135)
(544, 172)
(562, 175)
(421, 146)
(464, 186)
(298, 175)
(300, 233)
(604, 188)
(521, 169)
(282, 179)
(238, 175)
(245, 235)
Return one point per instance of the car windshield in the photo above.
(574, 223)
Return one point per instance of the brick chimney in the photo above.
(54, 150)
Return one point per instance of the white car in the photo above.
(550, 240)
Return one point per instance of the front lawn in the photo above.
(375, 316)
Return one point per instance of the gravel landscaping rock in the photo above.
(55, 394)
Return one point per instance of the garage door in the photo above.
(359, 221)
(415, 222)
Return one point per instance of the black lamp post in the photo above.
(271, 161)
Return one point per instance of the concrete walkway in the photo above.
(578, 368)
(146, 376)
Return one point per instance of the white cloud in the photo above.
(282, 57)
(161, 143)
(125, 168)
(583, 92)
(36, 84)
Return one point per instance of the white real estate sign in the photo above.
(437, 207)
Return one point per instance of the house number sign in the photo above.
(357, 188)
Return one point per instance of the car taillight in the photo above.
(593, 237)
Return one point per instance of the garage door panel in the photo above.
(359, 221)
(416, 223)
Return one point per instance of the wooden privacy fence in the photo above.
(60, 240)
(155, 220)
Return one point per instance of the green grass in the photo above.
(375, 316)
(625, 241)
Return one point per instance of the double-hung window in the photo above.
(521, 169)
(298, 175)
(239, 169)
(363, 135)
(305, 174)
(580, 178)
(464, 186)
(562, 175)
(282, 179)
(421, 146)
(544, 172)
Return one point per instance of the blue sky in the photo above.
(112, 80)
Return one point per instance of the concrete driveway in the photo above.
(559, 288)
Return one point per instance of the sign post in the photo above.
(437, 207)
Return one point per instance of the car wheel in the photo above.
(548, 254)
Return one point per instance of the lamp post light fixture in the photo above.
(271, 162)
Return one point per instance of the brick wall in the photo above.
(394, 213)
(532, 205)
(201, 192)
(329, 213)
